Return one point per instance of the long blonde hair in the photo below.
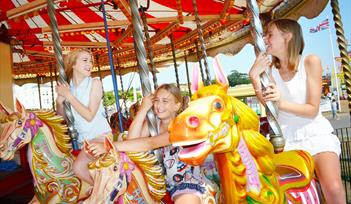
(295, 45)
(71, 59)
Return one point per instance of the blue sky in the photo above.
(315, 43)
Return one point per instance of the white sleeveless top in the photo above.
(96, 127)
(295, 127)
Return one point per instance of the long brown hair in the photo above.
(71, 59)
(175, 91)
(295, 45)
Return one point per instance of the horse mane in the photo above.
(248, 126)
(57, 128)
(257, 144)
(153, 172)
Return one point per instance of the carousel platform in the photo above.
(16, 186)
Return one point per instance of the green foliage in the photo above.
(110, 96)
(236, 78)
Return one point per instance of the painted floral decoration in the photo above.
(33, 123)
(126, 166)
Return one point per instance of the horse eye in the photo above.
(19, 122)
(115, 168)
(218, 105)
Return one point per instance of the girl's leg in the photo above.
(328, 172)
(187, 198)
(80, 167)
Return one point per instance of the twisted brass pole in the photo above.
(143, 67)
(199, 59)
(276, 136)
(62, 76)
(124, 95)
(52, 87)
(187, 72)
(202, 43)
(149, 47)
(342, 44)
(39, 93)
(171, 37)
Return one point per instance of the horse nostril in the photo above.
(193, 121)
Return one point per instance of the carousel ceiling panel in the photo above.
(80, 24)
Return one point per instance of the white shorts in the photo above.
(315, 144)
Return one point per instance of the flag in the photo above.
(321, 26)
(313, 30)
(324, 25)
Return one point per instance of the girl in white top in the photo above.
(85, 96)
(297, 91)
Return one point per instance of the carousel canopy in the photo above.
(25, 24)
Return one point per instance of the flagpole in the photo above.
(334, 66)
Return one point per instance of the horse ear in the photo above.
(221, 79)
(20, 108)
(4, 109)
(109, 144)
(196, 83)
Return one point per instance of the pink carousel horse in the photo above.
(249, 170)
(50, 160)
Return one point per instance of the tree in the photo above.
(236, 78)
(110, 96)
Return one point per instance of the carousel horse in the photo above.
(249, 170)
(50, 158)
(114, 170)
(49, 153)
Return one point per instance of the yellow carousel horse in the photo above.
(249, 170)
(50, 160)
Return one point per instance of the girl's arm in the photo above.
(88, 113)
(133, 145)
(139, 126)
(143, 144)
(313, 69)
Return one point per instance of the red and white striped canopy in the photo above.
(80, 24)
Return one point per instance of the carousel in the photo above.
(142, 36)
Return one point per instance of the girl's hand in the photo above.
(271, 93)
(261, 63)
(147, 102)
(63, 90)
(95, 149)
(60, 99)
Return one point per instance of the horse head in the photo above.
(110, 173)
(17, 129)
(210, 123)
(112, 170)
(250, 171)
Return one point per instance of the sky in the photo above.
(315, 43)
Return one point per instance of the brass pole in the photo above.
(342, 44)
(276, 135)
